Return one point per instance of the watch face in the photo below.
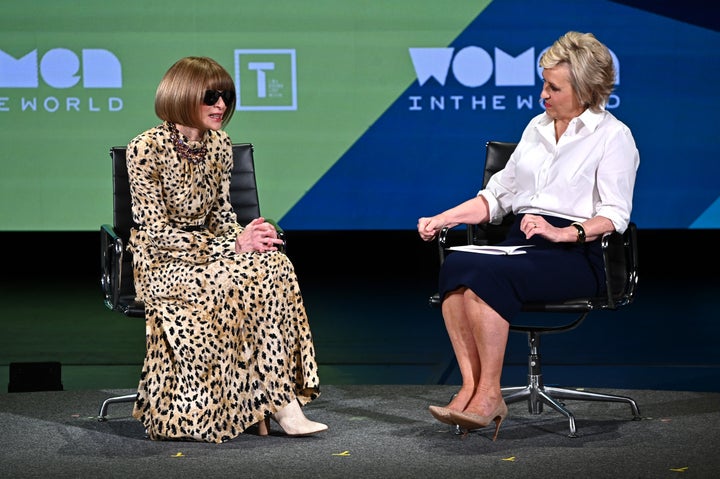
(580, 232)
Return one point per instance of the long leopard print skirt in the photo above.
(227, 343)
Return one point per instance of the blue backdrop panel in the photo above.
(425, 153)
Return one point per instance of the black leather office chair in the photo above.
(621, 269)
(116, 262)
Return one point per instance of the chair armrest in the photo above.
(111, 256)
(620, 260)
(444, 240)
(607, 242)
(442, 243)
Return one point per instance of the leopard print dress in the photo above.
(227, 337)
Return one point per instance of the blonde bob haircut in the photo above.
(592, 72)
(180, 93)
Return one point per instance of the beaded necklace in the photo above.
(194, 155)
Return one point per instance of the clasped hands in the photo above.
(258, 235)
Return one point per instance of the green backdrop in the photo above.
(96, 66)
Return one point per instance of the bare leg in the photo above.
(460, 332)
(490, 332)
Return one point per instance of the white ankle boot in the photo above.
(294, 422)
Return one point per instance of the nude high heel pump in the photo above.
(292, 420)
(475, 421)
(442, 414)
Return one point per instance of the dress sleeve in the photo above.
(146, 161)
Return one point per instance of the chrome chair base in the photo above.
(537, 395)
(102, 415)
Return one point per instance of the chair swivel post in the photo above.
(535, 391)
(535, 378)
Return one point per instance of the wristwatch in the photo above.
(580, 232)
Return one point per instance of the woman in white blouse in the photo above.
(569, 181)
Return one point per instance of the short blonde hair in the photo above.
(592, 72)
(180, 93)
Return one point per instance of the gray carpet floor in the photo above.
(383, 357)
(375, 431)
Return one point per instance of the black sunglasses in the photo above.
(211, 97)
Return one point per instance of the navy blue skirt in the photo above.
(547, 272)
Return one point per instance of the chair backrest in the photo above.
(243, 184)
(243, 196)
(497, 154)
(122, 212)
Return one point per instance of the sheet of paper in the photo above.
(498, 250)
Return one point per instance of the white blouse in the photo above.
(589, 172)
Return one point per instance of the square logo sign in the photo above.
(266, 79)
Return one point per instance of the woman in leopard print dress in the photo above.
(228, 344)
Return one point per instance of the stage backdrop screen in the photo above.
(365, 115)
